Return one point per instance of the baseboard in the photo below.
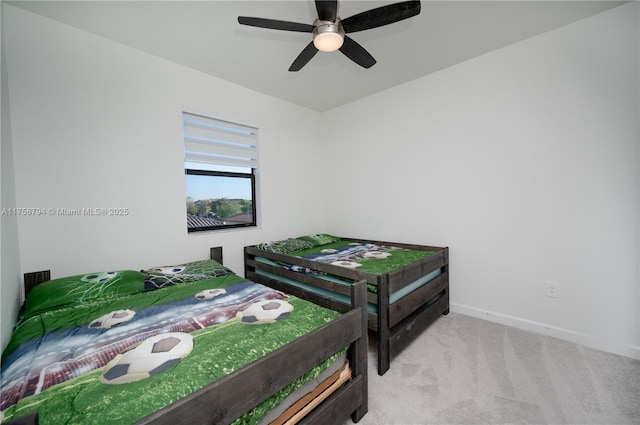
(627, 350)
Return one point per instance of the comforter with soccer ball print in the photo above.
(366, 257)
(132, 354)
(369, 257)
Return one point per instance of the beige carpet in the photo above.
(463, 370)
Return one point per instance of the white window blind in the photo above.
(212, 141)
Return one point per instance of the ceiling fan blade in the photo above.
(274, 24)
(327, 10)
(380, 16)
(357, 53)
(304, 57)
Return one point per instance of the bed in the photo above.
(190, 343)
(404, 295)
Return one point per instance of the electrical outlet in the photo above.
(552, 289)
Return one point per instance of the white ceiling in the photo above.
(206, 36)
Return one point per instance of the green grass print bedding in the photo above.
(366, 257)
(55, 362)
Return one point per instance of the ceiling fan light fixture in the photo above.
(328, 36)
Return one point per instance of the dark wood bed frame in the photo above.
(396, 324)
(228, 398)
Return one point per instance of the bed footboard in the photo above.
(228, 398)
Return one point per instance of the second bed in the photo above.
(408, 284)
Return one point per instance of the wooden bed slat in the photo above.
(317, 281)
(351, 274)
(402, 334)
(403, 277)
(427, 293)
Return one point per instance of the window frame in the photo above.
(251, 177)
(207, 168)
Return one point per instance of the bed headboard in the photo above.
(216, 254)
(32, 279)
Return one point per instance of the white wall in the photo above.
(525, 163)
(98, 124)
(9, 253)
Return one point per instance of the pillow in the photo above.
(286, 246)
(319, 239)
(82, 289)
(159, 277)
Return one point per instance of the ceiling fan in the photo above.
(329, 30)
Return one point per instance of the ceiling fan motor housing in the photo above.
(328, 36)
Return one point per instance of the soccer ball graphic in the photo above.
(377, 254)
(112, 319)
(152, 356)
(169, 269)
(98, 277)
(267, 311)
(349, 264)
(207, 294)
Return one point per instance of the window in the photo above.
(221, 163)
